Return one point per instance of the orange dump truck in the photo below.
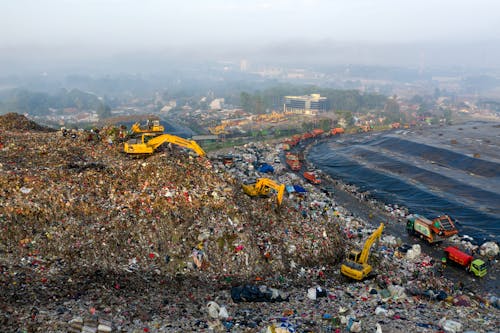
(311, 177)
(317, 132)
(476, 266)
(337, 130)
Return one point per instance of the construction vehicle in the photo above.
(218, 130)
(433, 231)
(336, 130)
(356, 266)
(317, 132)
(263, 187)
(152, 126)
(307, 135)
(476, 266)
(273, 117)
(293, 161)
(149, 142)
(311, 177)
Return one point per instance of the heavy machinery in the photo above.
(476, 266)
(293, 161)
(356, 266)
(311, 177)
(152, 126)
(263, 187)
(336, 130)
(149, 142)
(433, 231)
(219, 129)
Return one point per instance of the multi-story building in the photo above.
(309, 104)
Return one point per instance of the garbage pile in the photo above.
(15, 122)
(95, 241)
(78, 217)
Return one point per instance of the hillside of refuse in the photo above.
(96, 241)
(72, 205)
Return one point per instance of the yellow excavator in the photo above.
(356, 266)
(263, 187)
(219, 129)
(152, 126)
(149, 142)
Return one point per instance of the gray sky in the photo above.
(114, 26)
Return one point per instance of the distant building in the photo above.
(217, 104)
(309, 104)
(243, 65)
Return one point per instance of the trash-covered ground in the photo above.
(95, 241)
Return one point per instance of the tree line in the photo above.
(40, 104)
(355, 101)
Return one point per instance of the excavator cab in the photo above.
(152, 126)
(354, 255)
(356, 264)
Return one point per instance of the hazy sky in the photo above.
(113, 26)
(160, 22)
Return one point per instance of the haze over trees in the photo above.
(41, 104)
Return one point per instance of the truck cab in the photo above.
(478, 267)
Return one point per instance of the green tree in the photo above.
(307, 126)
(392, 111)
(258, 105)
(325, 124)
(246, 101)
(447, 114)
(346, 115)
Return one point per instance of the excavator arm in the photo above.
(356, 266)
(368, 244)
(159, 140)
(262, 186)
(152, 144)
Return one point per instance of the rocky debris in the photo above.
(95, 241)
(16, 123)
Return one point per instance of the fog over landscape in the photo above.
(126, 35)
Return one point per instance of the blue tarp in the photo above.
(266, 168)
(299, 189)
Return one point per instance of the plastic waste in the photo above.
(490, 249)
(356, 327)
(213, 309)
(380, 311)
(450, 326)
(223, 314)
(25, 190)
(397, 292)
(311, 294)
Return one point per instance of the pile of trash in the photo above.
(77, 214)
(95, 241)
(15, 122)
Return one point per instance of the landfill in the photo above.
(96, 241)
